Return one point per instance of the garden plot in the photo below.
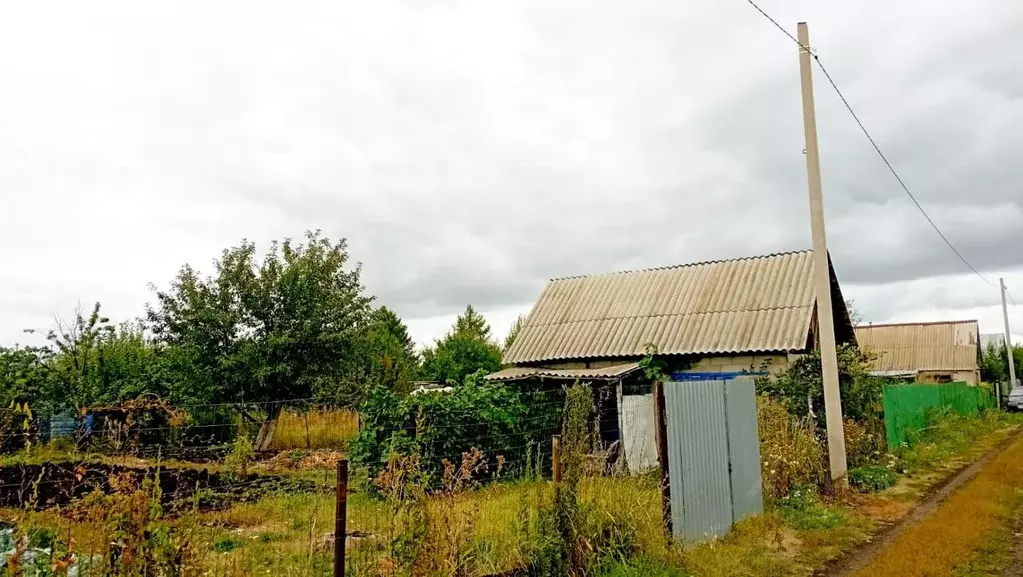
(43, 486)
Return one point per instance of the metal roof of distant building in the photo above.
(929, 346)
(751, 304)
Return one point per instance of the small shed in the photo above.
(718, 316)
(931, 352)
(724, 316)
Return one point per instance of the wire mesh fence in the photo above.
(449, 484)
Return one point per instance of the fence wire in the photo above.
(232, 489)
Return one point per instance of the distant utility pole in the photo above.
(821, 271)
(1008, 339)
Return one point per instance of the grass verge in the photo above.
(290, 533)
(971, 526)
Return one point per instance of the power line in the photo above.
(871, 140)
(1013, 301)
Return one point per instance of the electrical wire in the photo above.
(873, 143)
(1012, 300)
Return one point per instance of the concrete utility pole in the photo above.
(821, 271)
(1008, 339)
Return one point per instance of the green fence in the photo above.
(906, 406)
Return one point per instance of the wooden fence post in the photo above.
(556, 458)
(340, 518)
(661, 434)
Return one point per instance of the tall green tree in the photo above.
(800, 387)
(78, 362)
(466, 349)
(91, 361)
(390, 354)
(24, 374)
(285, 327)
(994, 365)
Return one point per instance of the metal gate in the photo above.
(713, 453)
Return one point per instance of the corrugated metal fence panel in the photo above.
(906, 407)
(744, 447)
(701, 503)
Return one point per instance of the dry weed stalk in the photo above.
(450, 549)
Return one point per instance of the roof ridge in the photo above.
(786, 308)
(683, 265)
(917, 324)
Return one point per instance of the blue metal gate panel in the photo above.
(701, 502)
(744, 447)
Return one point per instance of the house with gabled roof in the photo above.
(722, 316)
(929, 352)
(725, 316)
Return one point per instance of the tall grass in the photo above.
(948, 435)
(791, 454)
(315, 429)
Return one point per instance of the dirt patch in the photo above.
(856, 560)
(883, 509)
(785, 543)
(45, 486)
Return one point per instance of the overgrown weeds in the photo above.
(948, 434)
(803, 509)
(315, 429)
(791, 453)
(236, 464)
(871, 478)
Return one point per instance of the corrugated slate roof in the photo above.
(515, 373)
(744, 305)
(940, 346)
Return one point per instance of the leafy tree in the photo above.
(91, 361)
(468, 348)
(283, 328)
(131, 366)
(471, 323)
(994, 364)
(443, 425)
(78, 361)
(800, 387)
(24, 374)
(390, 356)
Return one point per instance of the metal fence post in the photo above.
(556, 458)
(340, 518)
(661, 434)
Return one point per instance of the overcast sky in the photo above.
(471, 150)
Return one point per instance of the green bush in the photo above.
(869, 478)
(862, 394)
(500, 421)
(226, 544)
(791, 453)
(803, 510)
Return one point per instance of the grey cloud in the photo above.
(471, 151)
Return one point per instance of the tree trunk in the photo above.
(266, 430)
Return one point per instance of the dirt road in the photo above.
(969, 526)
